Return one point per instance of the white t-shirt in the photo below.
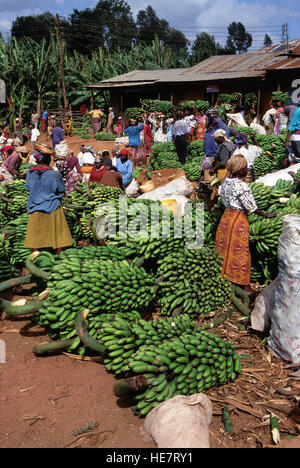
(34, 134)
(249, 154)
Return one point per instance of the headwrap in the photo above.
(212, 112)
(124, 152)
(38, 156)
(236, 164)
(241, 139)
(220, 133)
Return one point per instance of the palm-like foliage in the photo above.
(32, 74)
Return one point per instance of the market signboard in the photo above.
(2, 92)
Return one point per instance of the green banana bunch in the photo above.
(193, 169)
(191, 363)
(77, 282)
(6, 263)
(123, 338)
(192, 281)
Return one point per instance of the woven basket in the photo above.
(43, 148)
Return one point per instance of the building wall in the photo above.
(282, 79)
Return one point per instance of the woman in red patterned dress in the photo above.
(232, 237)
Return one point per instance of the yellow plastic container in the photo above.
(170, 205)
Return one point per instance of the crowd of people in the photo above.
(226, 159)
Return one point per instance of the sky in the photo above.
(190, 16)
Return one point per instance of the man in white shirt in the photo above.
(85, 157)
(34, 135)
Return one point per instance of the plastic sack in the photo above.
(283, 174)
(284, 338)
(62, 149)
(180, 186)
(181, 422)
(133, 189)
(263, 308)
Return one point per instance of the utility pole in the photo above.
(285, 35)
(61, 64)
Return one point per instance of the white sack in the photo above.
(181, 422)
(283, 174)
(180, 186)
(263, 308)
(62, 149)
(133, 189)
(285, 321)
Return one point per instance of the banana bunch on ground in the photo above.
(191, 281)
(102, 194)
(6, 264)
(265, 232)
(73, 224)
(17, 238)
(122, 337)
(195, 150)
(15, 197)
(111, 286)
(164, 160)
(191, 363)
(193, 169)
(261, 193)
(273, 154)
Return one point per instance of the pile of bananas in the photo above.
(15, 197)
(96, 283)
(272, 146)
(122, 337)
(261, 193)
(193, 169)
(265, 232)
(195, 150)
(6, 267)
(191, 363)
(19, 252)
(192, 282)
(163, 156)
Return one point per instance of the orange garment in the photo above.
(200, 132)
(232, 243)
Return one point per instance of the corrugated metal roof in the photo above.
(220, 67)
(286, 64)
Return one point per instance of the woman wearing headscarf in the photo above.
(232, 237)
(250, 152)
(223, 154)
(133, 131)
(47, 225)
(124, 167)
(10, 168)
(100, 166)
(70, 170)
(214, 123)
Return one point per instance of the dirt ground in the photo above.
(45, 399)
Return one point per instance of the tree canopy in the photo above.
(238, 39)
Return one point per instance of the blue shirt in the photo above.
(45, 190)
(45, 114)
(125, 169)
(57, 135)
(210, 144)
(134, 135)
(295, 122)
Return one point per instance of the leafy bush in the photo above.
(280, 96)
(105, 136)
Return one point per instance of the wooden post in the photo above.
(61, 64)
(258, 104)
(121, 104)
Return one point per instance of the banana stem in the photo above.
(39, 350)
(84, 335)
(11, 283)
(34, 270)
